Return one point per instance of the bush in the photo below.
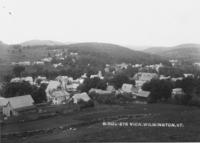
(111, 98)
(195, 101)
(84, 104)
(182, 99)
(103, 98)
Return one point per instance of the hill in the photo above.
(4, 49)
(96, 52)
(184, 52)
(114, 53)
(41, 42)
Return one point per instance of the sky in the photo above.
(124, 22)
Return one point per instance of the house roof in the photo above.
(127, 87)
(60, 93)
(21, 101)
(99, 91)
(177, 91)
(81, 96)
(147, 76)
(143, 93)
(3, 101)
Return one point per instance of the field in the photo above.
(87, 125)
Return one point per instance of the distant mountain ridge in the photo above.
(105, 52)
(184, 52)
(41, 42)
(116, 53)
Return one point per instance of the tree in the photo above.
(160, 89)
(171, 71)
(17, 70)
(92, 83)
(7, 78)
(17, 89)
(39, 94)
(118, 80)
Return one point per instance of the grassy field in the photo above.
(86, 125)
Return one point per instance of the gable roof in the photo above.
(99, 91)
(3, 101)
(127, 87)
(60, 93)
(81, 96)
(143, 93)
(21, 101)
(147, 76)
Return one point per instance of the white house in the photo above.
(52, 86)
(142, 77)
(122, 66)
(188, 75)
(177, 91)
(162, 77)
(40, 79)
(128, 88)
(99, 91)
(72, 87)
(13, 104)
(59, 97)
(99, 75)
(27, 79)
(81, 96)
(38, 63)
(25, 63)
(49, 59)
(58, 65)
(196, 64)
(143, 94)
(175, 79)
(110, 88)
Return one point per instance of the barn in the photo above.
(12, 105)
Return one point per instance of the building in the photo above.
(122, 66)
(143, 94)
(162, 77)
(12, 106)
(99, 75)
(177, 91)
(81, 97)
(3, 102)
(128, 88)
(176, 79)
(188, 75)
(72, 87)
(25, 63)
(38, 63)
(110, 88)
(58, 65)
(142, 77)
(100, 91)
(60, 97)
(18, 79)
(49, 59)
(173, 62)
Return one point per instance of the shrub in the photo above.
(84, 104)
(195, 101)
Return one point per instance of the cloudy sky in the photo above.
(125, 22)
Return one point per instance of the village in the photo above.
(64, 90)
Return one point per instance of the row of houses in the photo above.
(13, 106)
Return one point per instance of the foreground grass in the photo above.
(161, 113)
